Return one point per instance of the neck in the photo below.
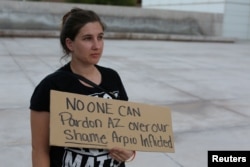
(82, 69)
(88, 71)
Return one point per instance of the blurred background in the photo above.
(189, 55)
(198, 18)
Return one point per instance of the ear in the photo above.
(69, 44)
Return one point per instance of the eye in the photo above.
(87, 38)
(100, 37)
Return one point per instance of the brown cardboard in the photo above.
(91, 122)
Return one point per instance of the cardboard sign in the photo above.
(92, 122)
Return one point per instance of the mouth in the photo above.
(95, 55)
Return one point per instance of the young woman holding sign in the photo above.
(81, 38)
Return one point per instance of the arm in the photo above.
(40, 138)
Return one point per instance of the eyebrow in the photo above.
(87, 35)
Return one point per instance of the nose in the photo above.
(97, 44)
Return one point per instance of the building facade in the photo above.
(236, 13)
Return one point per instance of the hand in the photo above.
(120, 155)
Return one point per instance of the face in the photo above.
(87, 46)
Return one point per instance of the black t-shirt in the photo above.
(61, 80)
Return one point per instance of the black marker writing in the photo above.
(114, 123)
(129, 111)
(123, 139)
(153, 141)
(67, 119)
(85, 137)
(79, 105)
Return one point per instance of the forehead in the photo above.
(91, 28)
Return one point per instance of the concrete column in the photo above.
(237, 19)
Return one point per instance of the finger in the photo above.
(118, 156)
(121, 153)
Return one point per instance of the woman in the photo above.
(81, 38)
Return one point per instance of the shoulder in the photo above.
(56, 77)
(59, 73)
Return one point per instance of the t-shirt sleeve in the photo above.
(40, 99)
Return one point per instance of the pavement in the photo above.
(206, 86)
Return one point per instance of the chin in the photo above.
(95, 62)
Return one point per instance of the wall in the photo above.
(46, 16)
(211, 6)
(236, 13)
(237, 19)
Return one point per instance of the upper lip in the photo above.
(95, 53)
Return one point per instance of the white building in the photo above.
(236, 22)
